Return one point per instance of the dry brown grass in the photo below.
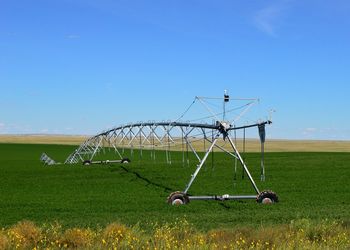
(252, 145)
(25, 234)
(43, 139)
(115, 232)
(77, 238)
(300, 146)
(4, 242)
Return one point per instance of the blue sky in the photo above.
(79, 67)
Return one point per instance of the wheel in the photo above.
(86, 163)
(267, 197)
(125, 160)
(178, 198)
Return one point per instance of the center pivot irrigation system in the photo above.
(176, 135)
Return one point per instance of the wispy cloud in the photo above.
(269, 18)
(109, 86)
(11, 34)
(2, 126)
(309, 131)
(324, 133)
(33, 93)
(14, 128)
(72, 36)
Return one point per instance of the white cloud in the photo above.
(268, 19)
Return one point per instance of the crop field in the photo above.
(312, 187)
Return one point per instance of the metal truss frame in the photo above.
(164, 135)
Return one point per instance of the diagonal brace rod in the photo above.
(201, 163)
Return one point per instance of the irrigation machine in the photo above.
(180, 135)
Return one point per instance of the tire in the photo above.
(267, 197)
(178, 198)
(125, 160)
(86, 162)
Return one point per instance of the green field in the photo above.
(309, 185)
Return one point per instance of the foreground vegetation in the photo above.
(299, 234)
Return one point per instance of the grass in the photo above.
(309, 185)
